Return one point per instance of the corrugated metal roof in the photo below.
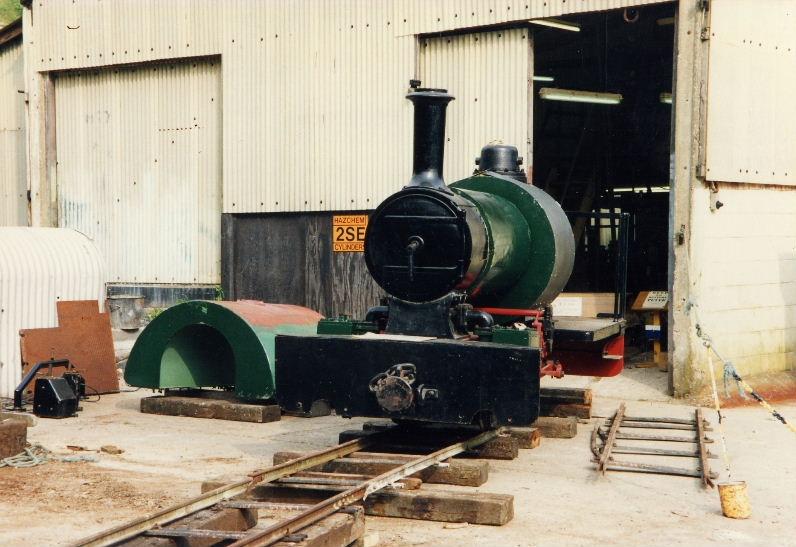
(39, 266)
(13, 185)
(139, 168)
(11, 33)
(488, 74)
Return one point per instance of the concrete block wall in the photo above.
(743, 279)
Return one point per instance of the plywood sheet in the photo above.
(83, 336)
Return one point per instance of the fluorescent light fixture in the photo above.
(666, 98)
(543, 78)
(664, 21)
(577, 96)
(642, 189)
(556, 23)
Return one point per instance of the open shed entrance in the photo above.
(601, 146)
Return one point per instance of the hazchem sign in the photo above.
(348, 233)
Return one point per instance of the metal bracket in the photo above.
(679, 237)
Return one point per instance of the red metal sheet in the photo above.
(603, 358)
(272, 315)
(83, 336)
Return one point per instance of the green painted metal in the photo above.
(532, 276)
(343, 324)
(508, 244)
(215, 344)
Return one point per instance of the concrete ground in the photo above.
(558, 497)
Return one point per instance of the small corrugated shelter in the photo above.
(39, 267)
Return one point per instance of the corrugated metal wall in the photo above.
(751, 86)
(139, 168)
(430, 16)
(13, 185)
(743, 256)
(327, 127)
(39, 266)
(314, 114)
(488, 74)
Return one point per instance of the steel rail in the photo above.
(223, 493)
(608, 445)
(630, 467)
(670, 438)
(646, 450)
(321, 510)
(704, 464)
(660, 420)
(657, 425)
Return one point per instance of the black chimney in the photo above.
(429, 144)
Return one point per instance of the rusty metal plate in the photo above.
(84, 337)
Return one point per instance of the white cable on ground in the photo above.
(36, 454)
(717, 404)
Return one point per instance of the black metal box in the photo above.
(54, 398)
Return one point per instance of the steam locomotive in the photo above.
(470, 270)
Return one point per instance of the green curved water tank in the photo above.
(531, 248)
(215, 344)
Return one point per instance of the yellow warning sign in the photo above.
(348, 233)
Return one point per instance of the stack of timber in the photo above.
(563, 402)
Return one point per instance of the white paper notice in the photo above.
(656, 300)
(568, 306)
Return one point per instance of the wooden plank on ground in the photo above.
(29, 419)
(335, 530)
(502, 447)
(198, 407)
(499, 448)
(236, 520)
(442, 506)
(456, 472)
(557, 428)
(13, 437)
(582, 411)
(339, 529)
(436, 505)
(527, 437)
(565, 395)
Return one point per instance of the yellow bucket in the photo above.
(734, 500)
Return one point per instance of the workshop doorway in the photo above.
(602, 124)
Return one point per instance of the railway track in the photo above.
(227, 514)
(604, 454)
